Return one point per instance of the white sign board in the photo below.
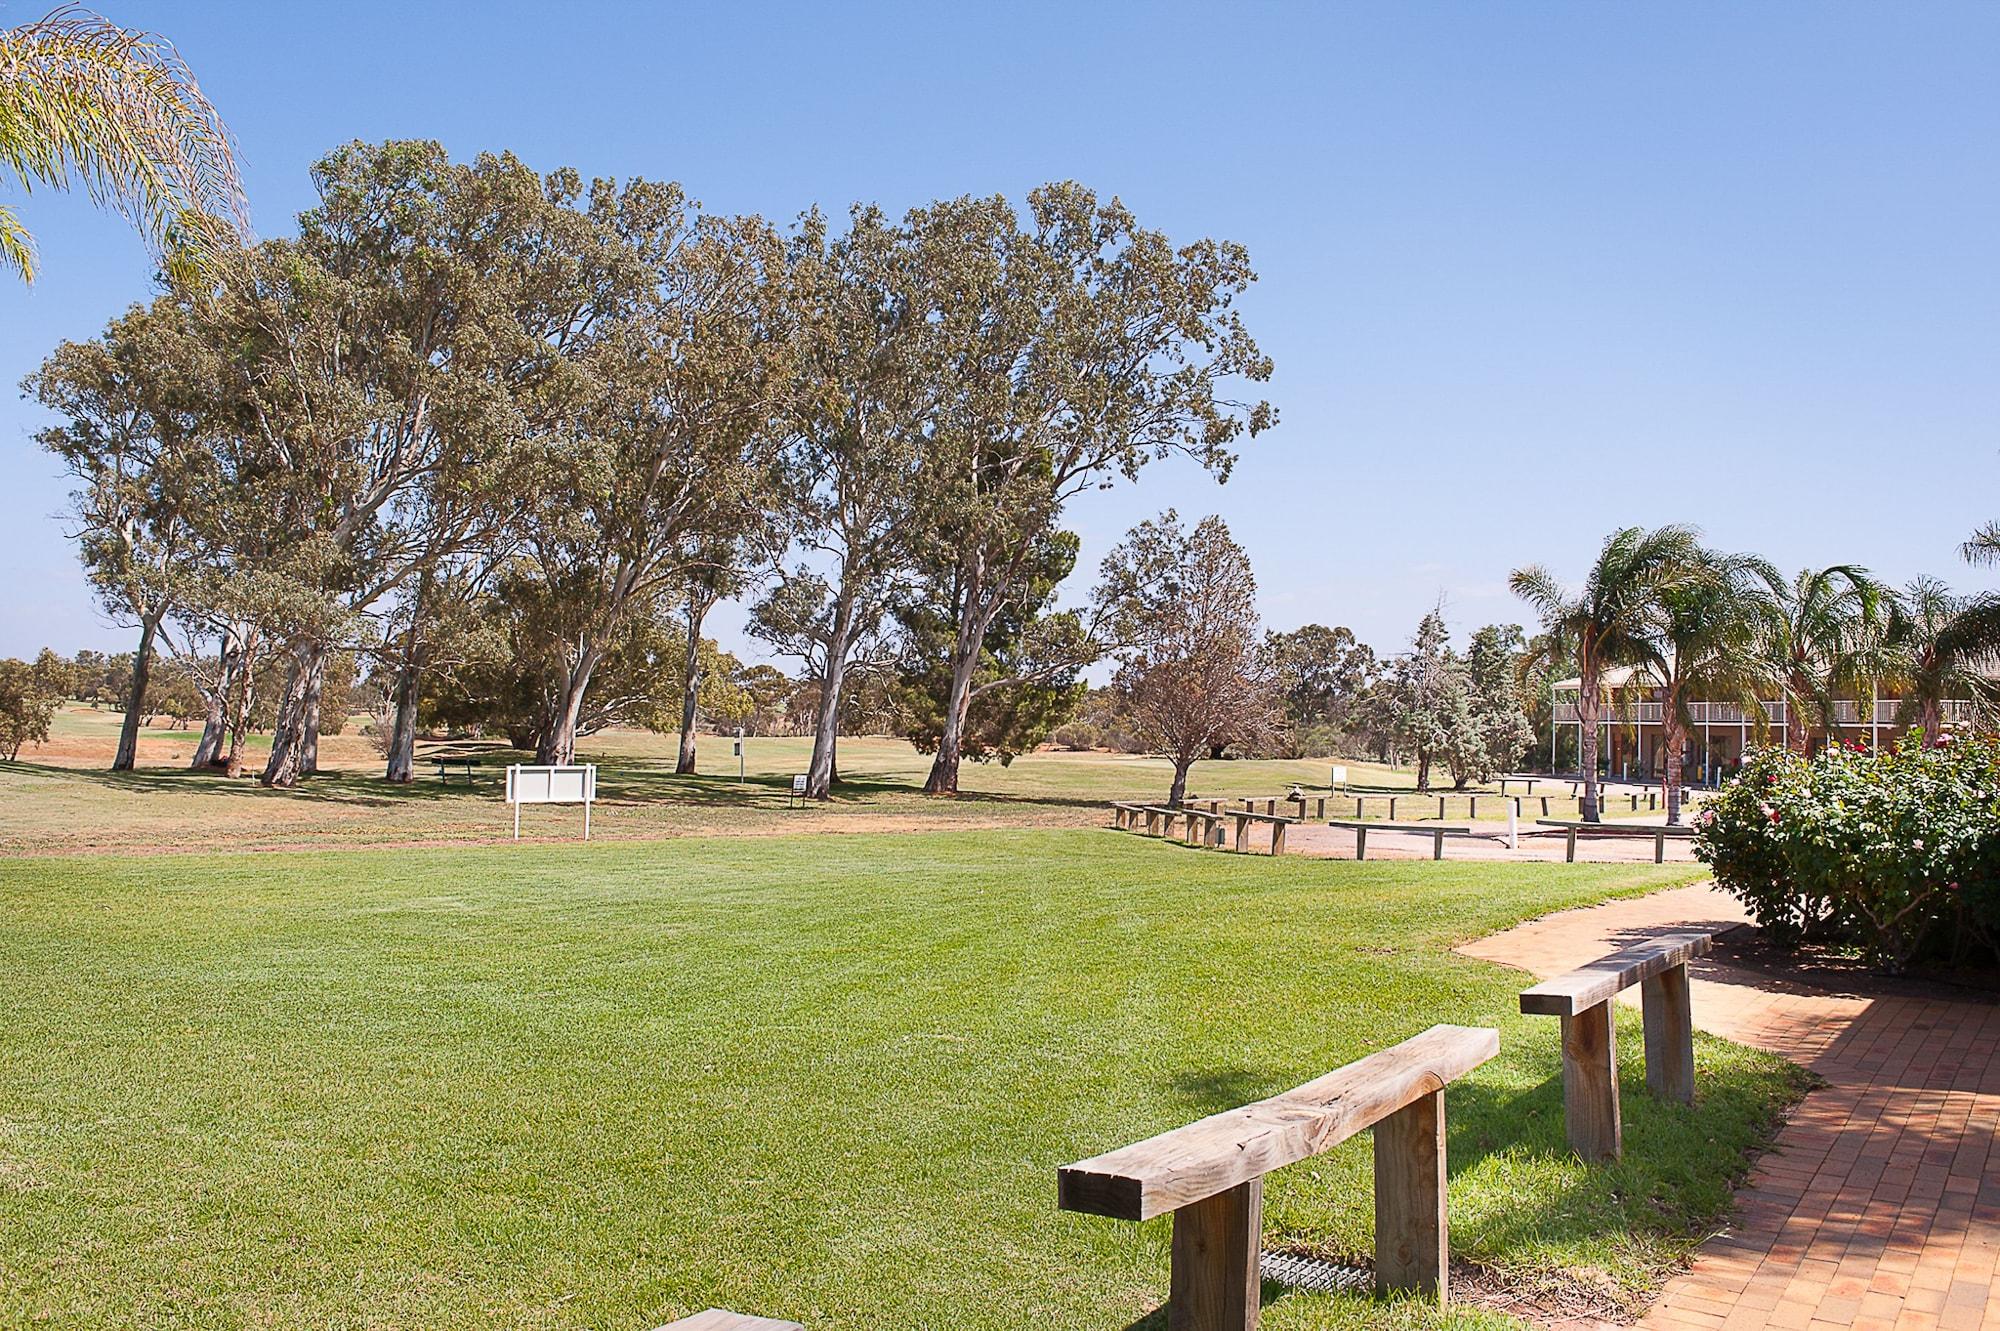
(1339, 778)
(551, 785)
(798, 785)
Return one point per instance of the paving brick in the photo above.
(1879, 1207)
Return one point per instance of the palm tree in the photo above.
(1610, 620)
(1944, 648)
(1709, 645)
(83, 100)
(1831, 637)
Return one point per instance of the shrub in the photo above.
(1077, 735)
(29, 695)
(1896, 853)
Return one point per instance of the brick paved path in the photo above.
(1880, 1208)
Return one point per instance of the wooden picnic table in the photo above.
(447, 761)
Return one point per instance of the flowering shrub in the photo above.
(1896, 852)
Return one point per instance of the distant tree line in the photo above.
(503, 439)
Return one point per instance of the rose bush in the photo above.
(1897, 853)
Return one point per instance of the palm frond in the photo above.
(1984, 547)
(83, 100)
(17, 247)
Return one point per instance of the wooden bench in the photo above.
(443, 763)
(1658, 831)
(1200, 827)
(1210, 1175)
(1278, 821)
(715, 1319)
(1582, 998)
(1204, 827)
(1436, 831)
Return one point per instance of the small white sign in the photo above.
(799, 785)
(551, 785)
(1339, 778)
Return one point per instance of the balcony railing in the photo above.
(1845, 713)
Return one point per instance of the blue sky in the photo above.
(1528, 271)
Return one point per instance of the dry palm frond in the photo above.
(82, 99)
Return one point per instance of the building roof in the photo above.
(1614, 677)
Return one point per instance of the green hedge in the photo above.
(1896, 853)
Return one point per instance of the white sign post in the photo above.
(1339, 778)
(551, 785)
(1514, 823)
(739, 753)
(798, 790)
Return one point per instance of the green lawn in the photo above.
(599, 1087)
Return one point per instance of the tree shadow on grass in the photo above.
(341, 788)
(654, 780)
(620, 780)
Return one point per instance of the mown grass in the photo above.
(602, 1086)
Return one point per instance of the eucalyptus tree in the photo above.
(1026, 683)
(391, 364)
(135, 408)
(82, 99)
(1070, 347)
(1708, 645)
(1183, 607)
(666, 452)
(857, 427)
(502, 666)
(1944, 649)
(1831, 638)
(1606, 621)
(1324, 675)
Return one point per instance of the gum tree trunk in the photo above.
(215, 729)
(943, 778)
(1178, 791)
(288, 737)
(135, 702)
(558, 744)
(403, 729)
(820, 774)
(239, 721)
(697, 611)
(309, 742)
